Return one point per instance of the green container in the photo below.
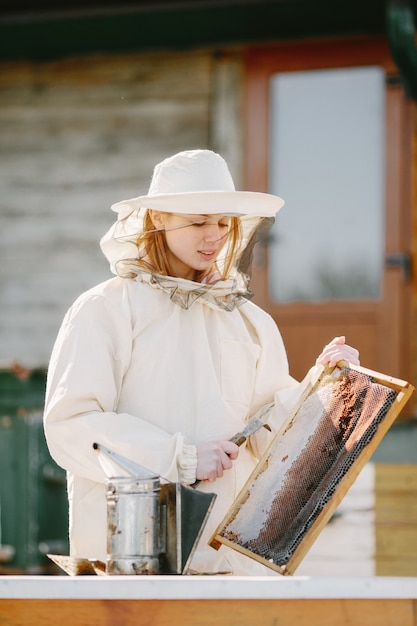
(33, 498)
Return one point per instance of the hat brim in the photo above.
(238, 203)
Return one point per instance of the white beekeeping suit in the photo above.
(151, 366)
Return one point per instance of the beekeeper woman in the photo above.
(166, 361)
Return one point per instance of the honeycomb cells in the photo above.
(306, 465)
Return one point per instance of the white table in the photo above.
(207, 601)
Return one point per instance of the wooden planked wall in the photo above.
(396, 520)
(77, 135)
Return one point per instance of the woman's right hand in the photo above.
(213, 457)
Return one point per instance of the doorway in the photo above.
(328, 128)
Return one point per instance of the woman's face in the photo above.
(194, 241)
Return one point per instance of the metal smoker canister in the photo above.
(133, 525)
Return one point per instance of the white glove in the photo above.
(213, 457)
(338, 350)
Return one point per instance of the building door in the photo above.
(328, 128)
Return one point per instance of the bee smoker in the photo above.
(152, 528)
(133, 525)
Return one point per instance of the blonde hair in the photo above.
(153, 245)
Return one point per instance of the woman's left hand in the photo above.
(338, 350)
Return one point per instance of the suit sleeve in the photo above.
(88, 362)
(273, 380)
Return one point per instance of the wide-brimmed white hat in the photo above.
(193, 182)
(199, 182)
